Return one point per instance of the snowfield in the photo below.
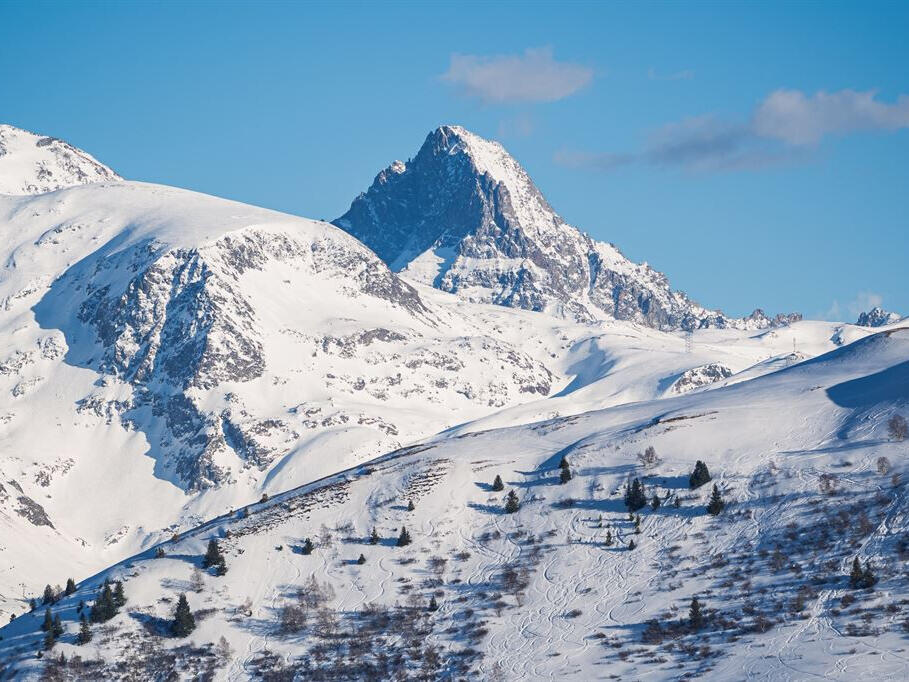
(177, 369)
(541, 593)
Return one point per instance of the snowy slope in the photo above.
(539, 593)
(33, 164)
(465, 217)
(187, 354)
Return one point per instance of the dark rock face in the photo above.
(464, 217)
(877, 317)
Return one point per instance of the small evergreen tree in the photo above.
(49, 596)
(118, 596)
(631, 544)
(374, 537)
(85, 631)
(213, 556)
(48, 623)
(410, 505)
(565, 473)
(184, 622)
(608, 540)
(497, 484)
(433, 604)
(655, 502)
(699, 476)
(716, 504)
(695, 617)
(307, 546)
(511, 502)
(564, 476)
(104, 607)
(404, 538)
(49, 640)
(70, 587)
(32, 604)
(861, 578)
(57, 627)
(635, 498)
(361, 560)
(637, 524)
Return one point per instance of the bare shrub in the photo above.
(897, 427)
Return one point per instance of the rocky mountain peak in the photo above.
(877, 317)
(33, 164)
(465, 217)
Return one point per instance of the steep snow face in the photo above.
(877, 317)
(800, 457)
(465, 217)
(32, 164)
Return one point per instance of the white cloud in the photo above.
(534, 76)
(799, 119)
(783, 128)
(863, 302)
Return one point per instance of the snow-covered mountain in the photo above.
(167, 358)
(567, 585)
(465, 217)
(32, 164)
(877, 317)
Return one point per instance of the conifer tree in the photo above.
(608, 540)
(635, 498)
(307, 546)
(85, 631)
(565, 473)
(404, 538)
(57, 627)
(695, 617)
(374, 537)
(49, 596)
(861, 578)
(48, 623)
(49, 640)
(716, 504)
(497, 484)
(104, 607)
(511, 502)
(433, 604)
(184, 622)
(699, 476)
(70, 587)
(361, 560)
(410, 505)
(631, 544)
(118, 596)
(213, 556)
(564, 476)
(655, 502)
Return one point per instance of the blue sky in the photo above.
(693, 136)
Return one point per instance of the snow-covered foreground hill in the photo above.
(801, 457)
(183, 354)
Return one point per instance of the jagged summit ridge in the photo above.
(465, 217)
(877, 317)
(34, 164)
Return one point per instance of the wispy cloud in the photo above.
(796, 118)
(783, 128)
(534, 76)
(863, 302)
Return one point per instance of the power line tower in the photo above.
(689, 342)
